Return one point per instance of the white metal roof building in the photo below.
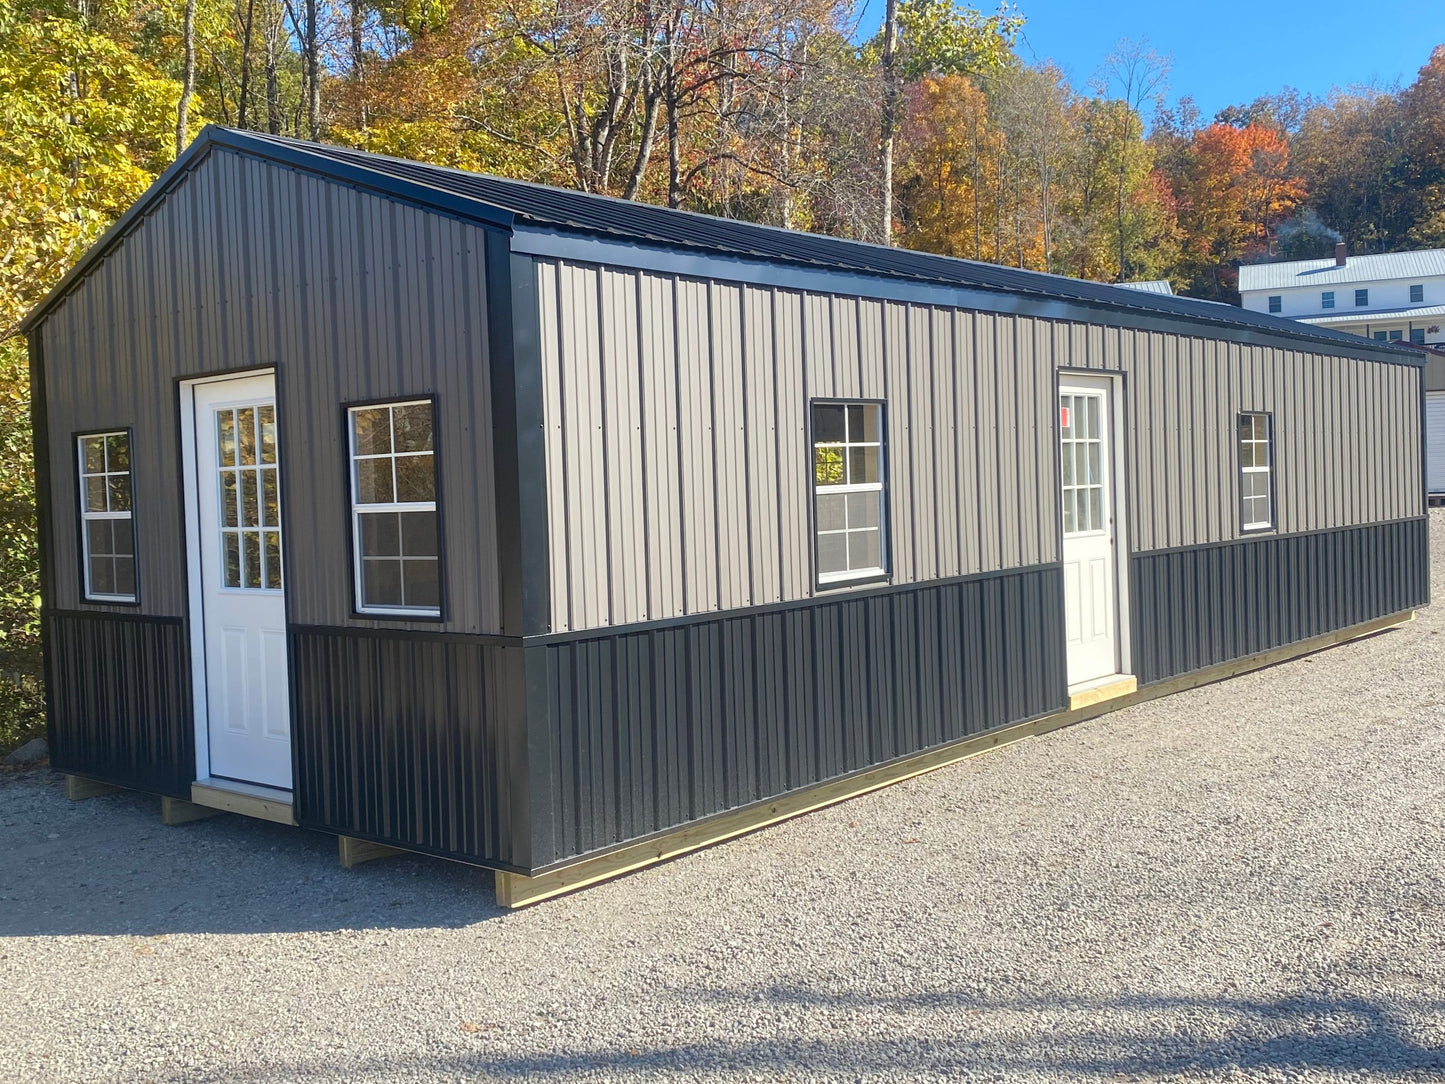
(1391, 297)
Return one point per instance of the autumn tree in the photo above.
(931, 37)
(1238, 188)
(88, 123)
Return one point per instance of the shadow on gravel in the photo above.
(1131, 1037)
(108, 866)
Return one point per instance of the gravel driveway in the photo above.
(1243, 882)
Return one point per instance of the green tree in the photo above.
(88, 123)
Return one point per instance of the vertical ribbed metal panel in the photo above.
(622, 410)
(790, 381)
(760, 439)
(729, 448)
(1198, 607)
(971, 419)
(656, 727)
(120, 700)
(351, 297)
(900, 451)
(401, 738)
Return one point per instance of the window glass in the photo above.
(1396, 336)
(1327, 299)
(1417, 294)
(107, 529)
(1362, 297)
(848, 490)
(394, 511)
(1274, 303)
(1417, 336)
(1081, 459)
(1255, 466)
(249, 497)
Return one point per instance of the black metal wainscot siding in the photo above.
(1199, 607)
(653, 727)
(120, 700)
(403, 737)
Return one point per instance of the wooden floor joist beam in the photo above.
(78, 788)
(518, 890)
(180, 811)
(352, 851)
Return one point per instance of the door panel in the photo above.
(243, 605)
(1088, 499)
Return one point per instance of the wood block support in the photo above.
(180, 811)
(78, 788)
(519, 890)
(353, 852)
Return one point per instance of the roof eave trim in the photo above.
(550, 241)
(213, 136)
(382, 183)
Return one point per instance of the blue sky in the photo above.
(1228, 51)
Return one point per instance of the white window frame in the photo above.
(1268, 524)
(359, 509)
(87, 516)
(879, 571)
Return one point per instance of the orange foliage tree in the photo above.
(1235, 189)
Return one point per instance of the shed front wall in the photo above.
(678, 472)
(351, 297)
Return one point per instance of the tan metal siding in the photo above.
(760, 435)
(658, 352)
(794, 466)
(705, 474)
(351, 297)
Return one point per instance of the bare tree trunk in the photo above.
(890, 117)
(272, 41)
(358, 62)
(245, 96)
(651, 99)
(188, 76)
(313, 72)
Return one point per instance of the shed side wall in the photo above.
(677, 412)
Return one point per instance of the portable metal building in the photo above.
(555, 534)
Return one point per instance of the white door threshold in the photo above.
(247, 799)
(1109, 687)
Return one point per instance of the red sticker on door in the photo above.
(1063, 417)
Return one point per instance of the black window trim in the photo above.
(886, 519)
(76, 466)
(1273, 526)
(442, 613)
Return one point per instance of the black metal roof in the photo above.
(506, 203)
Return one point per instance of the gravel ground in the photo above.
(1243, 882)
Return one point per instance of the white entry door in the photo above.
(237, 539)
(1090, 558)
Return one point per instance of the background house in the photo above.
(1392, 297)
